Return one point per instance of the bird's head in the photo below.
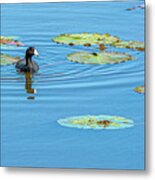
(31, 51)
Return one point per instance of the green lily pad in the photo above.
(10, 41)
(6, 59)
(96, 122)
(85, 39)
(140, 89)
(99, 58)
(88, 39)
(136, 45)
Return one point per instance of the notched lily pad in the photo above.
(99, 58)
(136, 45)
(85, 39)
(140, 89)
(96, 122)
(6, 59)
(10, 41)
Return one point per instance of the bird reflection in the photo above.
(28, 85)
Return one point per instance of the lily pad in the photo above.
(85, 39)
(10, 41)
(99, 58)
(88, 39)
(142, 6)
(136, 45)
(96, 122)
(140, 89)
(6, 59)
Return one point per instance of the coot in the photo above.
(27, 64)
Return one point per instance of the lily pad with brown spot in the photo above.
(140, 89)
(85, 39)
(10, 41)
(136, 45)
(99, 122)
(6, 59)
(99, 58)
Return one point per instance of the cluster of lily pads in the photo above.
(99, 122)
(8, 41)
(101, 40)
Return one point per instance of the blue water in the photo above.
(31, 136)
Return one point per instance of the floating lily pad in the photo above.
(88, 39)
(140, 89)
(7, 59)
(136, 45)
(85, 39)
(96, 122)
(99, 58)
(9, 41)
(142, 6)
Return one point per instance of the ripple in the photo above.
(56, 72)
(64, 70)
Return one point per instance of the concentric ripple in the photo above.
(58, 70)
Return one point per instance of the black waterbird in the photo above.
(27, 64)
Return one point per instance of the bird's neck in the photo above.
(28, 59)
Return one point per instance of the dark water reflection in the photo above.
(28, 85)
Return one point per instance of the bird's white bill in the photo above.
(36, 52)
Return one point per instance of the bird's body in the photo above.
(27, 64)
(31, 67)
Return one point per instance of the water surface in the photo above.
(31, 136)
